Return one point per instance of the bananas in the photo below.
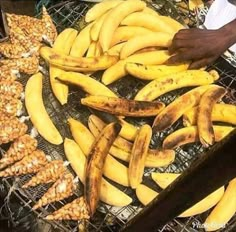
(160, 86)
(220, 113)
(128, 131)
(191, 135)
(86, 83)
(114, 18)
(151, 72)
(123, 107)
(108, 193)
(138, 155)
(152, 39)
(224, 210)
(95, 164)
(145, 194)
(63, 45)
(113, 169)
(70, 63)
(204, 123)
(37, 112)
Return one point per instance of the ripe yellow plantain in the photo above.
(128, 130)
(145, 194)
(92, 50)
(108, 193)
(152, 39)
(160, 86)
(62, 44)
(178, 107)
(115, 50)
(95, 164)
(125, 33)
(87, 83)
(204, 122)
(113, 169)
(175, 25)
(82, 42)
(190, 135)
(220, 113)
(123, 107)
(99, 9)
(150, 11)
(149, 21)
(224, 210)
(122, 148)
(164, 179)
(70, 63)
(114, 18)
(118, 70)
(138, 155)
(151, 72)
(37, 112)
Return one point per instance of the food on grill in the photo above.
(163, 85)
(10, 106)
(20, 148)
(11, 129)
(8, 74)
(63, 44)
(95, 164)
(204, 122)
(123, 107)
(164, 179)
(113, 169)
(191, 135)
(138, 155)
(75, 210)
(10, 88)
(145, 194)
(108, 193)
(128, 130)
(37, 112)
(151, 72)
(61, 189)
(224, 210)
(51, 172)
(12, 51)
(220, 113)
(29, 164)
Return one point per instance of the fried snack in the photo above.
(29, 164)
(11, 88)
(51, 172)
(20, 148)
(8, 74)
(145, 194)
(11, 129)
(61, 189)
(10, 106)
(76, 210)
(12, 51)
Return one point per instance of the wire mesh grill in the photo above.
(107, 218)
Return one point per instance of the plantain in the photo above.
(115, 50)
(138, 155)
(113, 169)
(204, 122)
(83, 64)
(108, 193)
(164, 179)
(160, 86)
(123, 107)
(190, 135)
(37, 112)
(87, 84)
(220, 113)
(128, 130)
(171, 113)
(95, 164)
(92, 50)
(151, 72)
(144, 194)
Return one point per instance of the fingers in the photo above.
(178, 44)
(201, 63)
(180, 57)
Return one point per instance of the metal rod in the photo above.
(212, 170)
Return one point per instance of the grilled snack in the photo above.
(61, 189)
(128, 130)
(95, 164)
(220, 113)
(108, 193)
(51, 172)
(190, 135)
(160, 86)
(204, 122)
(11, 88)
(29, 164)
(145, 194)
(138, 155)
(20, 148)
(164, 179)
(75, 210)
(37, 112)
(123, 107)
(11, 129)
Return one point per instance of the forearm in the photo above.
(229, 31)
